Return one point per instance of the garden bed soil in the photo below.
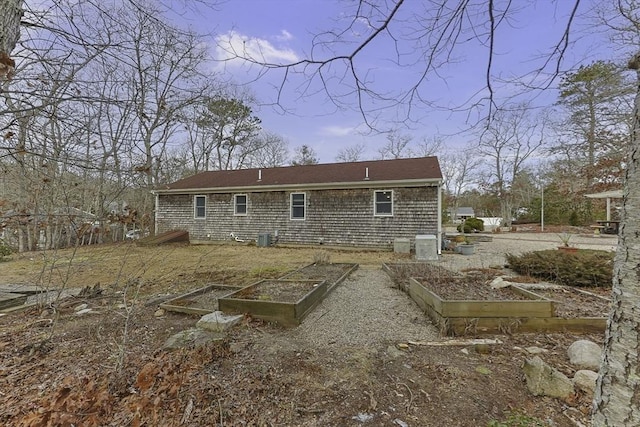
(463, 303)
(460, 288)
(575, 303)
(199, 302)
(277, 290)
(333, 273)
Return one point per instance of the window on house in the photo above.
(298, 205)
(199, 207)
(383, 205)
(240, 204)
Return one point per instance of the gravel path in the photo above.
(365, 310)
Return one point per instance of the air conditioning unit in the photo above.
(264, 240)
(426, 247)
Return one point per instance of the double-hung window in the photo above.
(240, 204)
(383, 203)
(200, 206)
(298, 205)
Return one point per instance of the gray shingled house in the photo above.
(366, 203)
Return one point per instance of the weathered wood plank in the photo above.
(10, 299)
(461, 326)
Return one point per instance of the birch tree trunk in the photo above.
(617, 399)
(10, 14)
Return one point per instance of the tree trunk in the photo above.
(10, 14)
(617, 399)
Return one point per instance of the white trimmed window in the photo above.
(200, 206)
(240, 204)
(383, 203)
(298, 205)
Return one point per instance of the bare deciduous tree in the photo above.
(510, 140)
(352, 153)
(397, 146)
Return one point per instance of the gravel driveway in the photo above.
(492, 253)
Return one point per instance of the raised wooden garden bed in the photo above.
(290, 299)
(200, 301)
(284, 301)
(462, 304)
(10, 299)
(333, 273)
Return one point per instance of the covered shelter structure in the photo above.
(608, 224)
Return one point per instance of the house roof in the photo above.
(612, 194)
(418, 171)
(465, 211)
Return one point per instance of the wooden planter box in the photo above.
(9, 300)
(256, 300)
(200, 301)
(461, 317)
(310, 272)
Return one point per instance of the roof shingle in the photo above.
(422, 168)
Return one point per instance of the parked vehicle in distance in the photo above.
(134, 234)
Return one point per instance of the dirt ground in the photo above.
(108, 368)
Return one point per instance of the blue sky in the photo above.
(282, 31)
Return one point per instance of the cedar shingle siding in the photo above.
(333, 217)
(343, 215)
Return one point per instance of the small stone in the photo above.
(159, 312)
(403, 346)
(218, 321)
(536, 350)
(498, 283)
(80, 307)
(543, 380)
(585, 380)
(191, 338)
(362, 418)
(465, 351)
(585, 354)
(483, 370)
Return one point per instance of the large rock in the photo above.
(585, 354)
(585, 380)
(543, 380)
(218, 321)
(191, 338)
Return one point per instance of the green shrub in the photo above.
(471, 225)
(5, 250)
(574, 219)
(583, 268)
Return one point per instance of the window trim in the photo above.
(304, 207)
(235, 205)
(375, 204)
(195, 206)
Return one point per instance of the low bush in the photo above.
(471, 225)
(5, 250)
(583, 268)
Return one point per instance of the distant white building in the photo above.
(462, 213)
